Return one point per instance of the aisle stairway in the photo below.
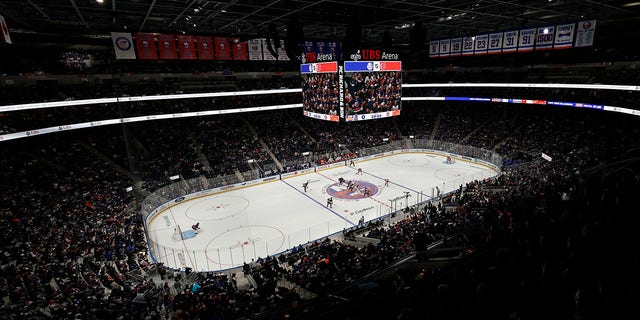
(436, 125)
(263, 144)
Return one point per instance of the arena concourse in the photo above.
(539, 239)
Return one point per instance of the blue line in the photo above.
(316, 201)
(399, 185)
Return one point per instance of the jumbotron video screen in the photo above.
(320, 90)
(355, 91)
(372, 89)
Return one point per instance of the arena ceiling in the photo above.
(321, 19)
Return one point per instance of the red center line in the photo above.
(380, 202)
(326, 177)
(370, 197)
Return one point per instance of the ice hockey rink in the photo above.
(243, 223)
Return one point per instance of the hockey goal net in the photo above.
(450, 160)
(177, 233)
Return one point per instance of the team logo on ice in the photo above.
(352, 190)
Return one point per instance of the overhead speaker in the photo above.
(273, 40)
(386, 40)
(294, 37)
(417, 36)
(353, 34)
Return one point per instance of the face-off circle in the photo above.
(358, 192)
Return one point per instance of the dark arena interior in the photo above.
(114, 111)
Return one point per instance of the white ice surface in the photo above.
(243, 224)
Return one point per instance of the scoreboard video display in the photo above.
(320, 90)
(372, 89)
(354, 91)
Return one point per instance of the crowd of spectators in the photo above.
(372, 92)
(75, 249)
(320, 93)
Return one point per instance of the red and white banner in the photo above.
(146, 46)
(265, 51)
(282, 52)
(545, 37)
(585, 33)
(510, 41)
(223, 52)
(205, 48)
(564, 36)
(6, 36)
(167, 45)
(123, 45)
(187, 47)
(239, 50)
(387, 66)
(255, 49)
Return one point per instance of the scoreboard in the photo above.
(353, 91)
(320, 90)
(372, 89)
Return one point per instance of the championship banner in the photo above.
(545, 38)
(146, 46)
(123, 45)
(526, 39)
(585, 33)
(222, 48)
(510, 41)
(495, 42)
(167, 46)
(239, 50)
(6, 36)
(445, 47)
(456, 46)
(265, 51)
(255, 49)
(205, 48)
(282, 52)
(187, 47)
(434, 48)
(467, 46)
(481, 44)
(564, 36)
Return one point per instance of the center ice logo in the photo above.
(358, 190)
